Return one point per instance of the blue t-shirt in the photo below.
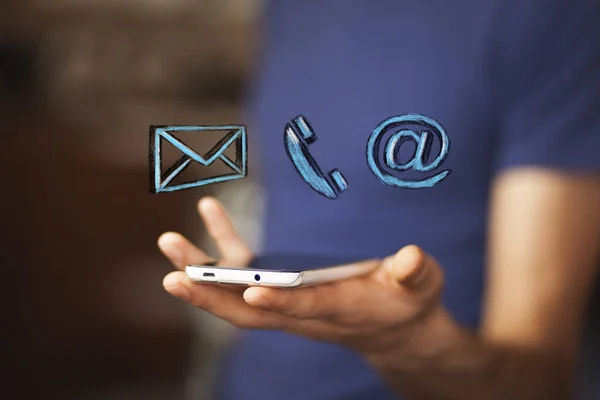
(512, 82)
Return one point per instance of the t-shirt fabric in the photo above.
(512, 82)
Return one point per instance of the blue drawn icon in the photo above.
(423, 139)
(296, 145)
(235, 136)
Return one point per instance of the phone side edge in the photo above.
(244, 276)
(336, 273)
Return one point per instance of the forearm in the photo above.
(449, 362)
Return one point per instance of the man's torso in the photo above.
(347, 66)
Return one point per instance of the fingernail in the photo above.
(208, 204)
(255, 299)
(166, 242)
(172, 284)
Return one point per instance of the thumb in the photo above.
(416, 270)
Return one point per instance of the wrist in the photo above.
(434, 342)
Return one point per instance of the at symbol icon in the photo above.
(429, 128)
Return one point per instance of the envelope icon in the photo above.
(234, 135)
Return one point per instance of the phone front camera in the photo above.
(257, 277)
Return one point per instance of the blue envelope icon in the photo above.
(234, 135)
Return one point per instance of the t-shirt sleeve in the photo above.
(546, 85)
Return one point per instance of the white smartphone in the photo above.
(282, 270)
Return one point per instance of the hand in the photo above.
(373, 314)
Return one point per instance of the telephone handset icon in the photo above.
(297, 137)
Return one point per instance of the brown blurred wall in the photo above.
(87, 311)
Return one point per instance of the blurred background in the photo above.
(80, 83)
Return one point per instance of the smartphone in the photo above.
(282, 270)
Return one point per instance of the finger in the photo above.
(303, 303)
(180, 251)
(222, 232)
(416, 270)
(331, 302)
(223, 303)
(231, 307)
